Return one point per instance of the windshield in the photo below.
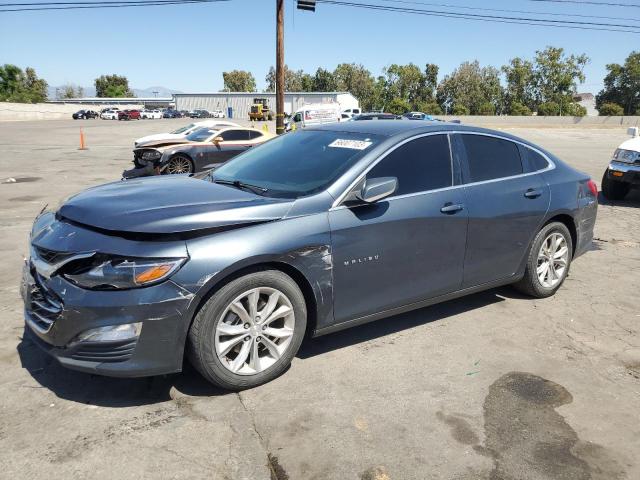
(299, 163)
(184, 129)
(201, 134)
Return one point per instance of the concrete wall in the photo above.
(11, 112)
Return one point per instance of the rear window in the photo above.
(490, 157)
(536, 161)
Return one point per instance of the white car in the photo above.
(109, 115)
(217, 114)
(150, 114)
(623, 172)
(182, 132)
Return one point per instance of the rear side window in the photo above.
(419, 165)
(490, 158)
(254, 134)
(536, 161)
(235, 135)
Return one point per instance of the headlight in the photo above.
(119, 274)
(151, 155)
(626, 156)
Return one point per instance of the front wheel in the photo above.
(179, 164)
(248, 332)
(548, 261)
(612, 189)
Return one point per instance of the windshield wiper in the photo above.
(239, 184)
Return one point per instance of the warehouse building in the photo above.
(238, 104)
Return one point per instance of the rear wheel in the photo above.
(179, 164)
(548, 261)
(248, 332)
(613, 189)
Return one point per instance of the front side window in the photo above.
(490, 158)
(200, 135)
(299, 163)
(419, 165)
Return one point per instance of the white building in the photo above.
(240, 102)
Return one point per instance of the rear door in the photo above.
(506, 206)
(407, 247)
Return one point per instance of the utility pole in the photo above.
(279, 66)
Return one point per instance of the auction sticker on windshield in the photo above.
(353, 144)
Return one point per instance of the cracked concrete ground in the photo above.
(490, 386)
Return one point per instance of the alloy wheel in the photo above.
(553, 259)
(254, 331)
(178, 165)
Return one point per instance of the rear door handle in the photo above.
(533, 193)
(451, 208)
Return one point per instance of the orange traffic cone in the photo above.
(82, 144)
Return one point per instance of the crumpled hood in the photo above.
(169, 204)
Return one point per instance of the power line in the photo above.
(108, 4)
(581, 2)
(492, 18)
(530, 12)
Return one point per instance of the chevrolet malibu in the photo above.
(314, 231)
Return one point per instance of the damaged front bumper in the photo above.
(624, 172)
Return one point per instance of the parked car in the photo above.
(312, 232)
(218, 114)
(109, 114)
(352, 111)
(184, 113)
(623, 172)
(202, 149)
(172, 114)
(199, 113)
(129, 115)
(85, 115)
(150, 114)
(377, 116)
(180, 134)
(418, 116)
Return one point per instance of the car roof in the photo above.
(392, 128)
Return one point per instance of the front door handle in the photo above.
(533, 193)
(451, 208)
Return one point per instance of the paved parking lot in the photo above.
(492, 386)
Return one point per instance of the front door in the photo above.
(408, 247)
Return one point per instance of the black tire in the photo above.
(530, 284)
(612, 189)
(179, 158)
(201, 349)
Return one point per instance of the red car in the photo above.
(129, 115)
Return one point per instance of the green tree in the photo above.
(430, 82)
(610, 109)
(549, 109)
(398, 106)
(622, 85)
(112, 86)
(239, 81)
(520, 89)
(405, 82)
(294, 81)
(429, 107)
(358, 81)
(323, 81)
(472, 87)
(486, 108)
(556, 75)
(21, 86)
(460, 109)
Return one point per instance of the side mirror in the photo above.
(375, 189)
(633, 131)
(218, 139)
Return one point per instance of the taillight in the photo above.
(593, 187)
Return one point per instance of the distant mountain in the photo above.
(138, 92)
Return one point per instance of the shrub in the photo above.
(487, 108)
(460, 110)
(549, 109)
(518, 108)
(610, 109)
(430, 108)
(398, 106)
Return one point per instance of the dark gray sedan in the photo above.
(314, 231)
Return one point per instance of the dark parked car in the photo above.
(199, 113)
(172, 114)
(202, 149)
(314, 231)
(85, 115)
(129, 115)
(376, 116)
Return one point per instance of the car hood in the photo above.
(159, 137)
(631, 144)
(169, 204)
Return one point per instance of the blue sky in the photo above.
(187, 47)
